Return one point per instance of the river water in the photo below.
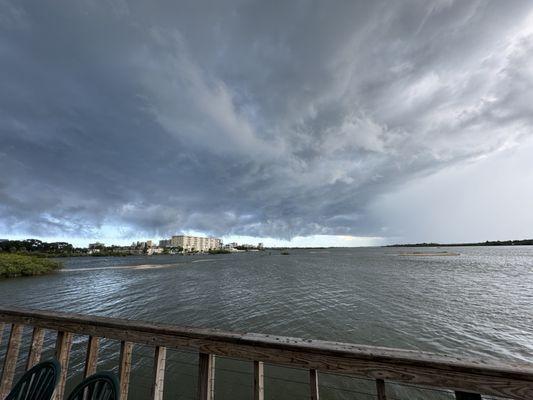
(477, 303)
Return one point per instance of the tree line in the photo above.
(36, 246)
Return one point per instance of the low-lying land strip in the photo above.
(430, 254)
(524, 242)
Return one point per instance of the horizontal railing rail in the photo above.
(468, 378)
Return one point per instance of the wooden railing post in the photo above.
(36, 347)
(206, 377)
(63, 345)
(212, 384)
(91, 357)
(10, 362)
(126, 349)
(259, 380)
(313, 384)
(467, 396)
(160, 357)
(380, 389)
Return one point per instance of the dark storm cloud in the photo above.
(267, 119)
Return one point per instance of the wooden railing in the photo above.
(469, 379)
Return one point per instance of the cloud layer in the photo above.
(267, 119)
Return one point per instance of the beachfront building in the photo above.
(190, 243)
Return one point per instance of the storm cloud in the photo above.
(266, 119)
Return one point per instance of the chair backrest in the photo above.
(38, 383)
(100, 386)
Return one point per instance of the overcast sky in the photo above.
(335, 123)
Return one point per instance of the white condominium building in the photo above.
(195, 243)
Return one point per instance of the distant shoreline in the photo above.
(524, 242)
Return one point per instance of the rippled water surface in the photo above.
(478, 304)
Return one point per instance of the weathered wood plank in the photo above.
(259, 380)
(313, 384)
(2, 325)
(91, 356)
(36, 347)
(126, 349)
(63, 345)
(10, 362)
(380, 389)
(212, 384)
(158, 383)
(418, 368)
(206, 376)
(467, 396)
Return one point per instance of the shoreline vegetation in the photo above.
(219, 251)
(14, 265)
(524, 242)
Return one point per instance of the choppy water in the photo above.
(476, 304)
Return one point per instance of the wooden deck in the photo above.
(468, 378)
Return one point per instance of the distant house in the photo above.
(154, 250)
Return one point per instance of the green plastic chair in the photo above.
(38, 383)
(100, 386)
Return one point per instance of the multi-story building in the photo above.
(164, 243)
(196, 243)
